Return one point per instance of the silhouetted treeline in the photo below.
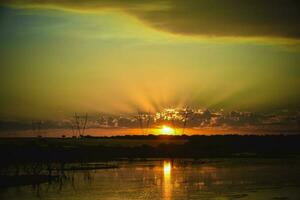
(233, 145)
(49, 150)
(140, 137)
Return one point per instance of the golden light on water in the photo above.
(167, 186)
(167, 168)
(166, 130)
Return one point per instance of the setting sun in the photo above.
(166, 130)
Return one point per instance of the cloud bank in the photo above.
(198, 120)
(226, 18)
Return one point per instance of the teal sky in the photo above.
(56, 61)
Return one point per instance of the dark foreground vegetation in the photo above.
(89, 149)
(8, 181)
(40, 157)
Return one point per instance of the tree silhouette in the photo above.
(78, 124)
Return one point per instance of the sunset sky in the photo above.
(58, 57)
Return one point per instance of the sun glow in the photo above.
(166, 130)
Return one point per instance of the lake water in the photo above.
(219, 179)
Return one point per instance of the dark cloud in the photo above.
(247, 18)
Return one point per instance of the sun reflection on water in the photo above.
(167, 186)
(167, 169)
